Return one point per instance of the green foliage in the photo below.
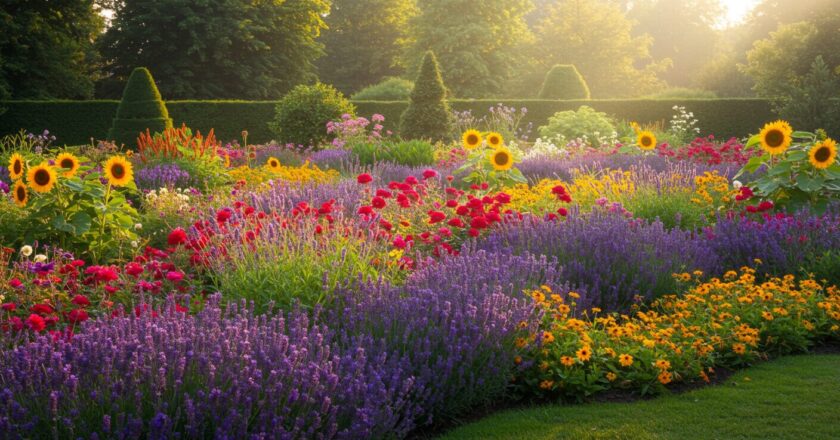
(215, 49)
(673, 209)
(427, 115)
(683, 93)
(564, 82)
(812, 102)
(362, 41)
(46, 49)
(301, 116)
(389, 89)
(824, 268)
(478, 43)
(583, 123)
(411, 153)
(141, 108)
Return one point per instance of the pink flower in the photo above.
(9, 307)
(174, 276)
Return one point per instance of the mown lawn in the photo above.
(794, 397)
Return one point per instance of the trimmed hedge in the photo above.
(76, 122)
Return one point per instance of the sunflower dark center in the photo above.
(472, 139)
(494, 140)
(502, 158)
(774, 138)
(17, 166)
(42, 177)
(647, 141)
(118, 171)
(822, 154)
(20, 193)
(273, 163)
(67, 163)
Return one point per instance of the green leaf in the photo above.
(803, 135)
(81, 222)
(797, 155)
(61, 224)
(809, 184)
(755, 140)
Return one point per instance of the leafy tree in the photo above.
(362, 42)
(427, 115)
(564, 82)
(478, 42)
(814, 101)
(242, 49)
(597, 38)
(141, 108)
(46, 48)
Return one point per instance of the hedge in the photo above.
(76, 122)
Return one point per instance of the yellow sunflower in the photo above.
(775, 137)
(41, 178)
(273, 164)
(16, 166)
(823, 154)
(471, 139)
(20, 194)
(646, 140)
(501, 159)
(495, 140)
(118, 171)
(69, 163)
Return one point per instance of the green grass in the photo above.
(790, 398)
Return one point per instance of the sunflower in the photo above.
(775, 137)
(273, 164)
(20, 194)
(16, 166)
(118, 171)
(646, 140)
(471, 139)
(41, 178)
(69, 163)
(823, 154)
(501, 159)
(495, 140)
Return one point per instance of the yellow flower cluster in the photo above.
(306, 173)
(712, 191)
(722, 322)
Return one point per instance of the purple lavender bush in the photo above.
(162, 176)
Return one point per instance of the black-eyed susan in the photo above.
(273, 164)
(495, 140)
(775, 137)
(471, 139)
(584, 354)
(823, 154)
(20, 193)
(41, 178)
(501, 159)
(68, 163)
(118, 171)
(16, 166)
(646, 140)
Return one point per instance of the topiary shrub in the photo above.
(583, 123)
(564, 82)
(427, 115)
(301, 116)
(141, 108)
(389, 89)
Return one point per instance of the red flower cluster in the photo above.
(707, 151)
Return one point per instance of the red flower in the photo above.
(752, 209)
(503, 198)
(133, 269)
(436, 217)
(462, 210)
(473, 232)
(36, 323)
(77, 315)
(563, 212)
(364, 178)
(41, 309)
(428, 174)
(319, 229)
(378, 202)
(176, 237)
(223, 215)
(16, 283)
(451, 203)
(174, 276)
(9, 307)
(385, 224)
(384, 193)
(399, 243)
(81, 300)
(479, 222)
(765, 206)
(411, 180)
(455, 222)
(365, 210)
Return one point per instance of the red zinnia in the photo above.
(428, 174)
(41, 309)
(36, 323)
(176, 237)
(364, 178)
(436, 217)
(378, 202)
(9, 307)
(77, 315)
(81, 300)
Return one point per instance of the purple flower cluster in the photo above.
(331, 158)
(162, 176)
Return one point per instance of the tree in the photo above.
(478, 42)
(427, 115)
(141, 109)
(564, 82)
(46, 48)
(243, 49)
(813, 102)
(597, 38)
(363, 41)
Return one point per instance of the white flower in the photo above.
(737, 184)
(26, 251)
(138, 226)
(134, 244)
(40, 258)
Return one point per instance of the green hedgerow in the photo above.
(301, 116)
(427, 115)
(141, 108)
(389, 89)
(564, 82)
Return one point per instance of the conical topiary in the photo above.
(427, 115)
(564, 82)
(141, 108)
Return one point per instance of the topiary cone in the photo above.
(141, 108)
(564, 82)
(427, 115)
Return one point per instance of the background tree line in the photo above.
(259, 49)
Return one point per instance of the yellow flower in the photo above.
(767, 315)
(495, 140)
(471, 139)
(567, 361)
(273, 164)
(68, 162)
(625, 360)
(546, 384)
(662, 364)
(611, 376)
(665, 377)
(646, 140)
(547, 337)
(16, 166)
(118, 171)
(775, 137)
(739, 348)
(584, 354)
(20, 193)
(823, 154)
(501, 159)
(41, 178)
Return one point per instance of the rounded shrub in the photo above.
(585, 122)
(141, 108)
(564, 82)
(427, 115)
(389, 89)
(301, 116)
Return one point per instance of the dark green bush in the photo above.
(564, 82)
(141, 108)
(412, 153)
(301, 116)
(427, 115)
(389, 89)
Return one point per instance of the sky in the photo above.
(738, 9)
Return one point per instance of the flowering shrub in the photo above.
(162, 176)
(353, 130)
(707, 151)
